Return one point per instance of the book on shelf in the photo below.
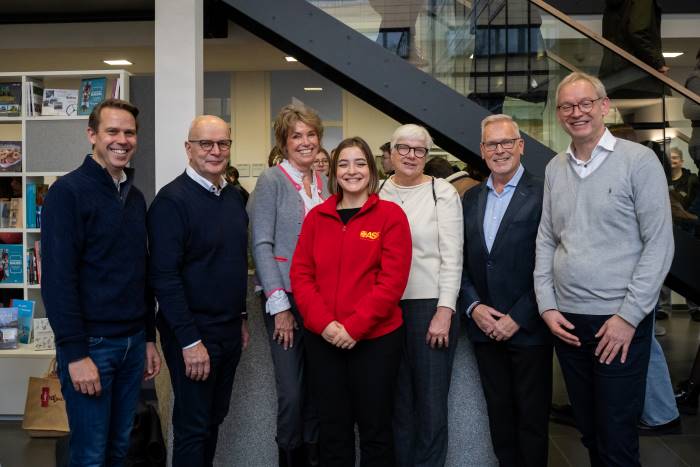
(92, 92)
(37, 255)
(35, 200)
(63, 102)
(10, 99)
(11, 270)
(117, 89)
(34, 91)
(9, 328)
(32, 275)
(43, 335)
(10, 213)
(25, 315)
(10, 156)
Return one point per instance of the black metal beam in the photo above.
(373, 74)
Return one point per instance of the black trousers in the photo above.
(355, 386)
(297, 418)
(200, 406)
(517, 382)
(607, 400)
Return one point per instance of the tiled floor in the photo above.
(680, 344)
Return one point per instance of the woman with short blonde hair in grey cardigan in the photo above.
(283, 196)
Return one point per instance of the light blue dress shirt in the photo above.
(496, 205)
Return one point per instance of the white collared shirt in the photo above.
(209, 186)
(309, 201)
(605, 146)
(118, 182)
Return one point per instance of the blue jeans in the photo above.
(101, 425)
(659, 402)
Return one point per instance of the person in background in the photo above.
(429, 302)
(283, 196)
(634, 26)
(387, 166)
(232, 177)
(321, 162)
(691, 111)
(349, 299)
(682, 181)
(597, 293)
(513, 346)
(198, 239)
(94, 256)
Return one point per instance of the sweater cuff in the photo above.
(74, 351)
(448, 301)
(187, 335)
(632, 315)
(546, 303)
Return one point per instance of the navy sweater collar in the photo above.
(98, 173)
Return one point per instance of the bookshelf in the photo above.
(51, 147)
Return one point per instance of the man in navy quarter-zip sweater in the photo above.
(198, 238)
(94, 251)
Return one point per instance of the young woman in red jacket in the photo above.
(349, 271)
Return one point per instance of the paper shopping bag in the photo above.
(45, 409)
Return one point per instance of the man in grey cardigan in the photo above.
(604, 246)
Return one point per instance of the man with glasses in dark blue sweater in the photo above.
(198, 238)
(93, 284)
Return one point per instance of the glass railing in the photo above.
(510, 55)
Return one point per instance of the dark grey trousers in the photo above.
(420, 414)
(297, 417)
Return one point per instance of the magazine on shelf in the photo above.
(60, 102)
(92, 92)
(11, 269)
(9, 328)
(10, 156)
(34, 91)
(43, 335)
(10, 99)
(25, 315)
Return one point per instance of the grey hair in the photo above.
(412, 131)
(499, 118)
(580, 76)
(676, 150)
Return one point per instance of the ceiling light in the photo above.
(672, 54)
(290, 59)
(120, 62)
(313, 89)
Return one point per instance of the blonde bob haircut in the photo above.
(361, 144)
(288, 116)
(411, 131)
(580, 76)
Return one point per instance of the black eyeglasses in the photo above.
(207, 145)
(505, 144)
(404, 150)
(585, 106)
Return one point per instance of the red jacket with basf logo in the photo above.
(355, 273)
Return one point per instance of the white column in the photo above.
(178, 82)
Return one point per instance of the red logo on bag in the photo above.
(44, 396)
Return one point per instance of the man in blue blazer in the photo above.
(512, 344)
